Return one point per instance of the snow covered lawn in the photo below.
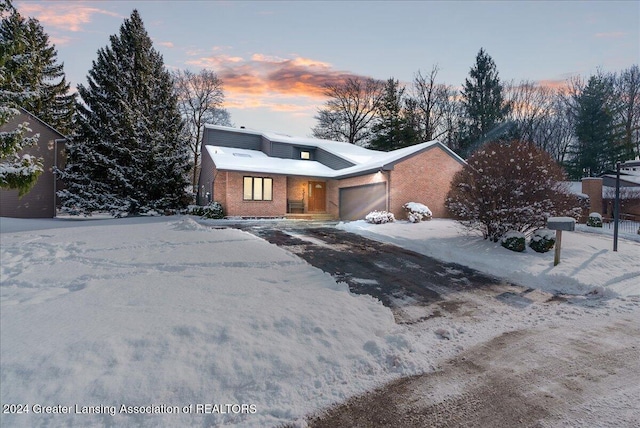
(587, 264)
(189, 325)
(168, 313)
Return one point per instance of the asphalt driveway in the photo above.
(395, 276)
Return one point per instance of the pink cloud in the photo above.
(71, 16)
(611, 35)
(265, 76)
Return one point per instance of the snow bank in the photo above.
(163, 315)
(587, 264)
(215, 327)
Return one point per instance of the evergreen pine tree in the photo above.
(391, 129)
(16, 171)
(597, 134)
(34, 71)
(129, 155)
(483, 101)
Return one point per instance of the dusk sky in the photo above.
(274, 57)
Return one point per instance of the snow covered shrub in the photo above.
(542, 240)
(17, 170)
(213, 210)
(417, 212)
(379, 217)
(509, 186)
(513, 240)
(594, 220)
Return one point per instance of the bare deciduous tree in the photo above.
(627, 87)
(531, 104)
(430, 99)
(200, 100)
(556, 133)
(349, 112)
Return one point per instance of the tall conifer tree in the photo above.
(391, 129)
(598, 136)
(33, 71)
(129, 155)
(18, 171)
(483, 101)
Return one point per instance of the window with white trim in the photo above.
(257, 189)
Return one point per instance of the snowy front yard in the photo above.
(587, 264)
(172, 313)
(189, 325)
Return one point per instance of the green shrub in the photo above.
(514, 241)
(542, 240)
(214, 210)
(594, 220)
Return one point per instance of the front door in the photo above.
(317, 196)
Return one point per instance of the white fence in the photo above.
(624, 226)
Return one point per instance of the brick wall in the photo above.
(220, 187)
(297, 189)
(231, 183)
(424, 178)
(592, 187)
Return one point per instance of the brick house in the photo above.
(40, 201)
(258, 174)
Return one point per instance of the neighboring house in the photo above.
(629, 190)
(601, 191)
(41, 201)
(260, 174)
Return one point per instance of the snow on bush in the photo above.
(380, 217)
(417, 212)
(509, 186)
(214, 210)
(513, 240)
(17, 171)
(594, 220)
(542, 240)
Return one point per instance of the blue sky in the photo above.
(273, 57)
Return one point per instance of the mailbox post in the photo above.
(559, 224)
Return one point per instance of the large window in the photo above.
(258, 189)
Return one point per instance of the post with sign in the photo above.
(559, 224)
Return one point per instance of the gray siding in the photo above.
(249, 141)
(331, 160)
(224, 138)
(40, 202)
(205, 180)
(266, 146)
(280, 150)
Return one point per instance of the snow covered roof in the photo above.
(364, 160)
(629, 180)
(575, 188)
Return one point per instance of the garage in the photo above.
(358, 201)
